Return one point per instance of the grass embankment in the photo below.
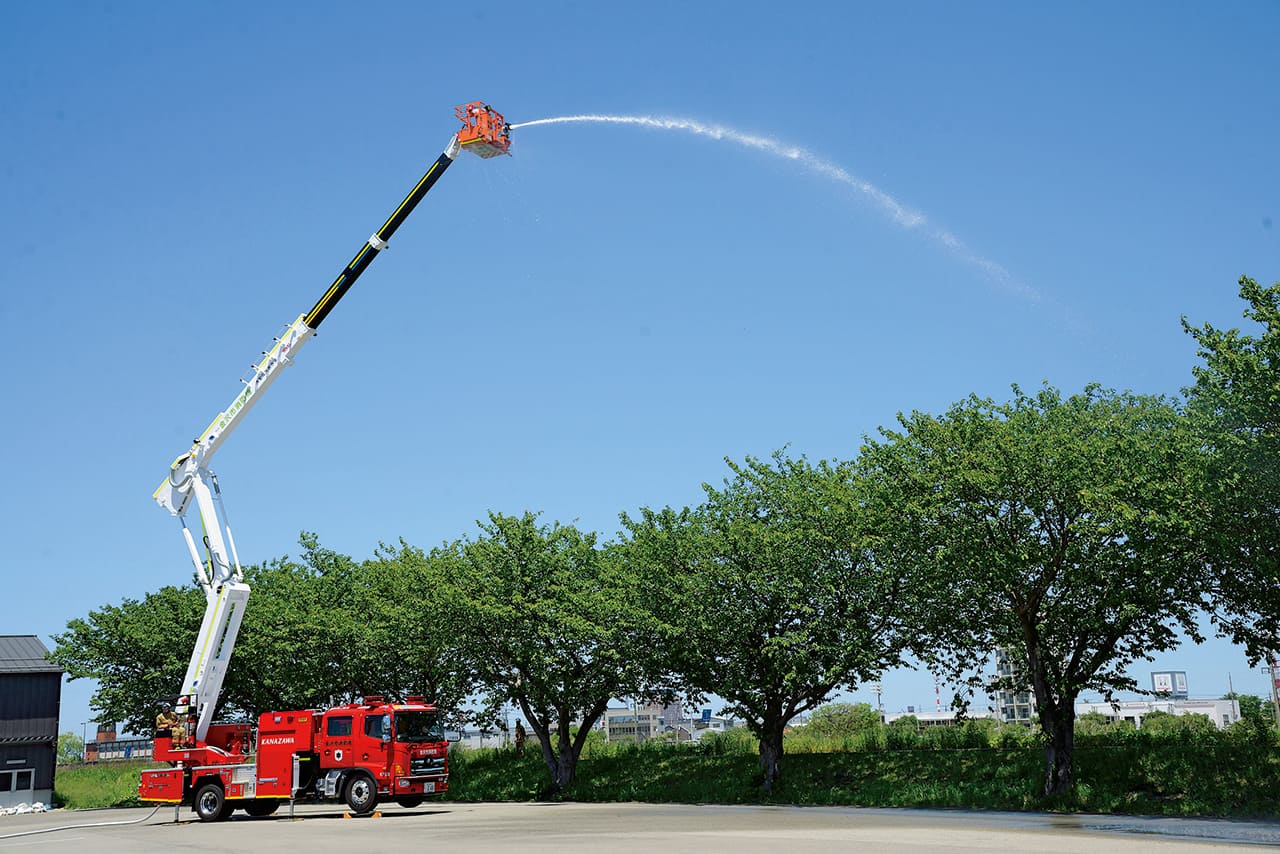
(1150, 779)
(105, 784)
(1235, 780)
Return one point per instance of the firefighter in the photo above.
(167, 720)
(520, 737)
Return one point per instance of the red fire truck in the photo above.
(359, 752)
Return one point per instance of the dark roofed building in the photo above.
(30, 693)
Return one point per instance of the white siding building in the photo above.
(1223, 713)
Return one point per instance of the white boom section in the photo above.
(222, 578)
(174, 493)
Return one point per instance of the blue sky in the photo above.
(594, 323)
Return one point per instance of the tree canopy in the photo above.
(773, 599)
(549, 620)
(1236, 401)
(316, 632)
(1065, 531)
(137, 651)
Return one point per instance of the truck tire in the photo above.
(261, 808)
(409, 801)
(361, 793)
(210, 802)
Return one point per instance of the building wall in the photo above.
(1223, 713)
(28, 735)
(631, 725)
(29, 706)
(474, 739)
(929, 719)
(118, 749)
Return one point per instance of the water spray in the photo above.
(900, 214)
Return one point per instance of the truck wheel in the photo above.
(261, 808)
(361, 793)
(210, 803)
(409, 801)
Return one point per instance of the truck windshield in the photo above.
(418, 726)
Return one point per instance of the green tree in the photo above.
(840, 720)
(306, 634)
(1257, 717)
(1065, 531)
(421, 651)
(550, 622)
(1257, 710)
(137, 651)
(70, 748)
(774, 600)
(1236, 401)
(316, 632)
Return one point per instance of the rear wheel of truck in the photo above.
(410, 801)
(210, 803)
(262, 808)
(361, 793)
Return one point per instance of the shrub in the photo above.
(1015, 736)
(732, 741)
(1164, 728)
(842, 720)
(903, 733)
(1248, 731)
(979, 732)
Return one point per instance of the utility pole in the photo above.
(1274, 673)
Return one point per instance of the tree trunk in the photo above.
(562, 761)
(542, 731)
(563, 775)
(562, 757)
(1057, 716)
(1059, 753)
(771, 752)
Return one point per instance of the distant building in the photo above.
(478, 738)
(1172, 683)
(668, 715)
(944, 718)
(107, 746)
(1223, 713)
(631, 725)
(1012, 707)
(30, 694)
(693, 729)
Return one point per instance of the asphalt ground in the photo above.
(647, 828)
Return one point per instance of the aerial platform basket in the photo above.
(484, 131)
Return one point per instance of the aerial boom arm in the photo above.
(174, 493)
(190, 480)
